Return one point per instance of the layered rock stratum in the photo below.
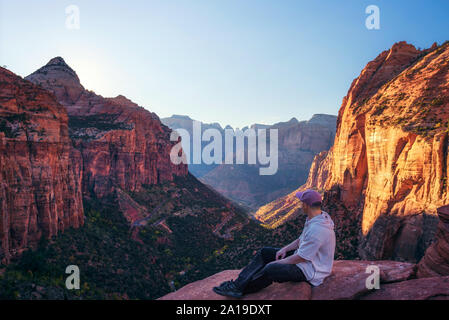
(123, 146)
(436, 259)
(60, 143)
(387, 171)
(40, 186)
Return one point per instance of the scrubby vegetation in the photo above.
(9, 122)
(103, 122)
(116, 263)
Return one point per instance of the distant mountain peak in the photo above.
(122, 100)
(57, 68)
(58, 61)
(59, 64)
(327, 120)
(57, 71)
(180, 116)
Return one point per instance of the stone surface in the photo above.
(436, 259)
(348, 278)
(347, 281)
(436, 288)
(388, 164)
(202, 290)
(40, 186)
(122, 145)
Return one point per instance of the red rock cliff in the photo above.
(388, 165)
(122, 145)
(436, 260)
(40, 188)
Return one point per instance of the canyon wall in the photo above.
(122, 145)
(436, 259)
(298, 143)
(185, 122)
(60, 142)
(388, 165)
(40, 186)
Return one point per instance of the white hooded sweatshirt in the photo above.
(317, 246)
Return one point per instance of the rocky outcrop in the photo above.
(348, 278)
(388, 165)
(436, 288)
(122, 145)
(40, 186)
(436, 259)
(348, 281)
(202, 290)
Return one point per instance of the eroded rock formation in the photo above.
(436, 259)
(122, 145)
(202, 290)
(388, 165)
(40, 186)
(60, 142)
(348, 281)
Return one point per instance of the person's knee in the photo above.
(271, 271)
(264, 250)
(268, 254)
(276, 272)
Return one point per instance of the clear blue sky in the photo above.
(229, 61)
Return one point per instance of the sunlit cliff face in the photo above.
(405, 138)
(389, 158)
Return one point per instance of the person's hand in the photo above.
(281, 254)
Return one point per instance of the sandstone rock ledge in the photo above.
(347, 281)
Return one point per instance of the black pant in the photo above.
(258, 275)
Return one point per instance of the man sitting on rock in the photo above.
(308, 258)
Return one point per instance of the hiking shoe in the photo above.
(224, 284)
(228, 289)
